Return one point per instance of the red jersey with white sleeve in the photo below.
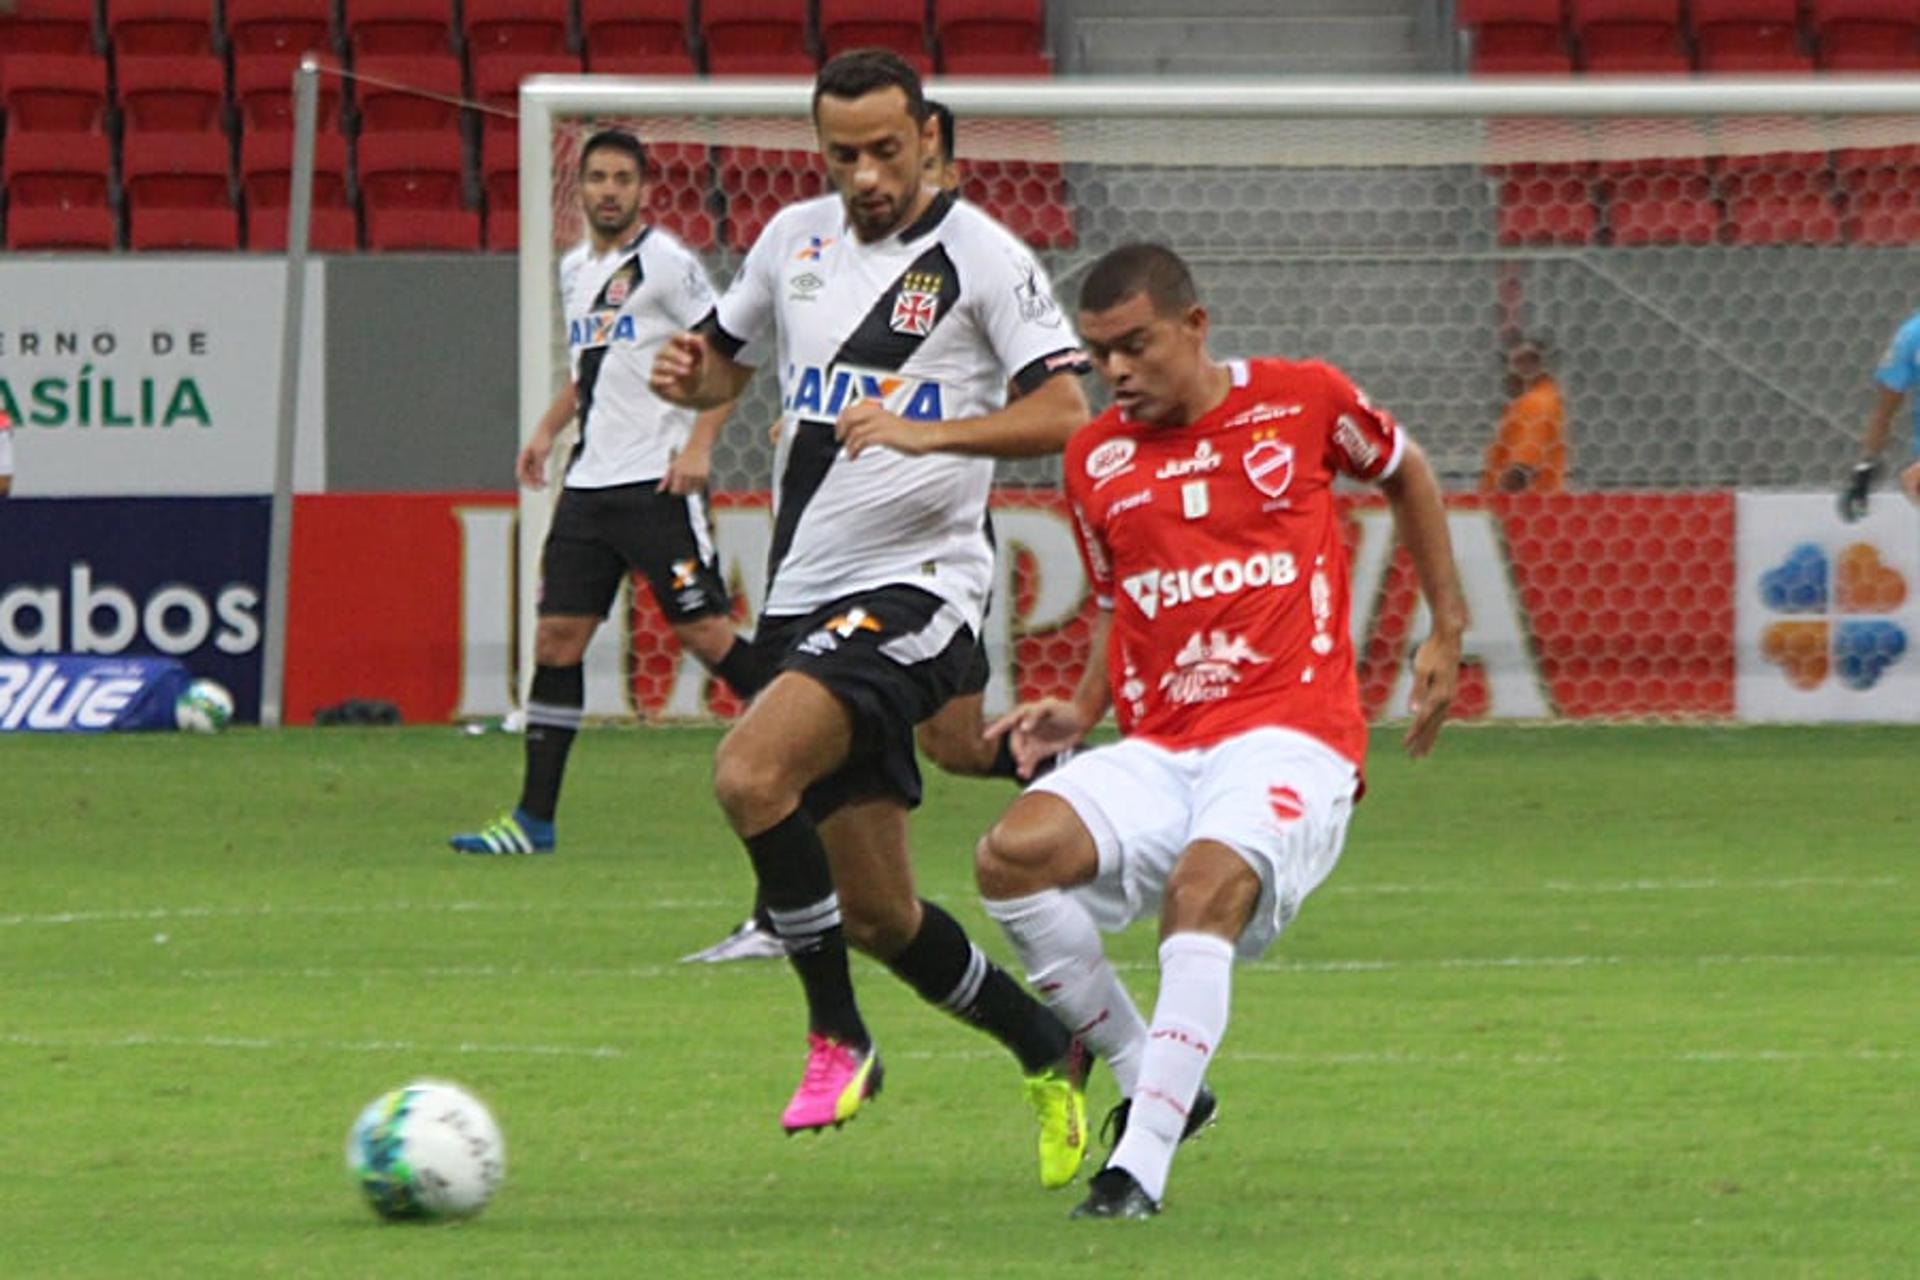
(1217, 548)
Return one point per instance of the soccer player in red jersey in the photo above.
(1203, 503)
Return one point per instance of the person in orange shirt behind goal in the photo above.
(1529, 449)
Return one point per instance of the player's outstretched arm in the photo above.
(1853, 497)
(531, 466)
(690, 372)
(1050, 725)
(1420, 517)
(1032, 426)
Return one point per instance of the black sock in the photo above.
(760, 917)
(1005, 766)
(553, 717)
(743, 668)
(944, 966)
(796, 887)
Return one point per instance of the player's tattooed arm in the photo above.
(1033, 426)
(1419, 515)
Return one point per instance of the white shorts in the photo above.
(1279, 799)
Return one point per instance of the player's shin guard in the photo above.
(1059, 946)
(1196, 985)
(553, 717)
(944, 966)
(796, 886)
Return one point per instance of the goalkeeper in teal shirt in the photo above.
(1898, 373)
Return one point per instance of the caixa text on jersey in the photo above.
(822, 393)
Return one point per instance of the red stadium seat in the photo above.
(999, 64)
(182, 93)
(500, 170)
(515, 26)
(383, 27)
(417, 230)
(899, 25)
(1029, 199)
(1480, 13)
(503, 230)
(969, 31)
(636, 28)
(496, 83)
(164, 230)
(641, 64)
(279, 26)
(411, 171)
(1780, 206)
(142, 28)
(328, 231)
(263, 92)
(756, 37)
(1747, 36)
(1662, 208)
(1520, 64)
(408, 92)
(1866, 35)
(177, 171)
(1551, 205)
(1637, 37)
(58, 170)
(47, 26)
(82, 227)
(61, 92)
(266, 170)
(758, 182)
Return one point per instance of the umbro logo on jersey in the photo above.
(602, 328)
(820, 394)
(805, 285)
(1166, 589)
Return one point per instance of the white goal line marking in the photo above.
(329, 973)
(148, 914)
(1381, 1058)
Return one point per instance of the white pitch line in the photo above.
(144, 915)
(145, 1040)
(1280, 968)
(1384, 1058)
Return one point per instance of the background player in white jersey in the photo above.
(953, 737)
(634, 493)
(1203, 503)
(900, 316)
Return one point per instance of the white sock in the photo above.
(1196, 984)
(1059, 946)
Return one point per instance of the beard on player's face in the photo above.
(613, 216)
(876, 155)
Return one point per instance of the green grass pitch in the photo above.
(1579, 1002)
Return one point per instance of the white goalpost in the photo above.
(1710, 266)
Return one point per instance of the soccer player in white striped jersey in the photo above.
(897, 317)
(634, 497)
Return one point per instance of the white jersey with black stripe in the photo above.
(621, 306)
(935, 320)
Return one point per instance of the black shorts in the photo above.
(892, 656)
(599, 536)
(979, 671)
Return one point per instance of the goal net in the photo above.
(1706, 275)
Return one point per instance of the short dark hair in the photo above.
(944, 114)
(1152, 269)
(859, 72)
(615, 140)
